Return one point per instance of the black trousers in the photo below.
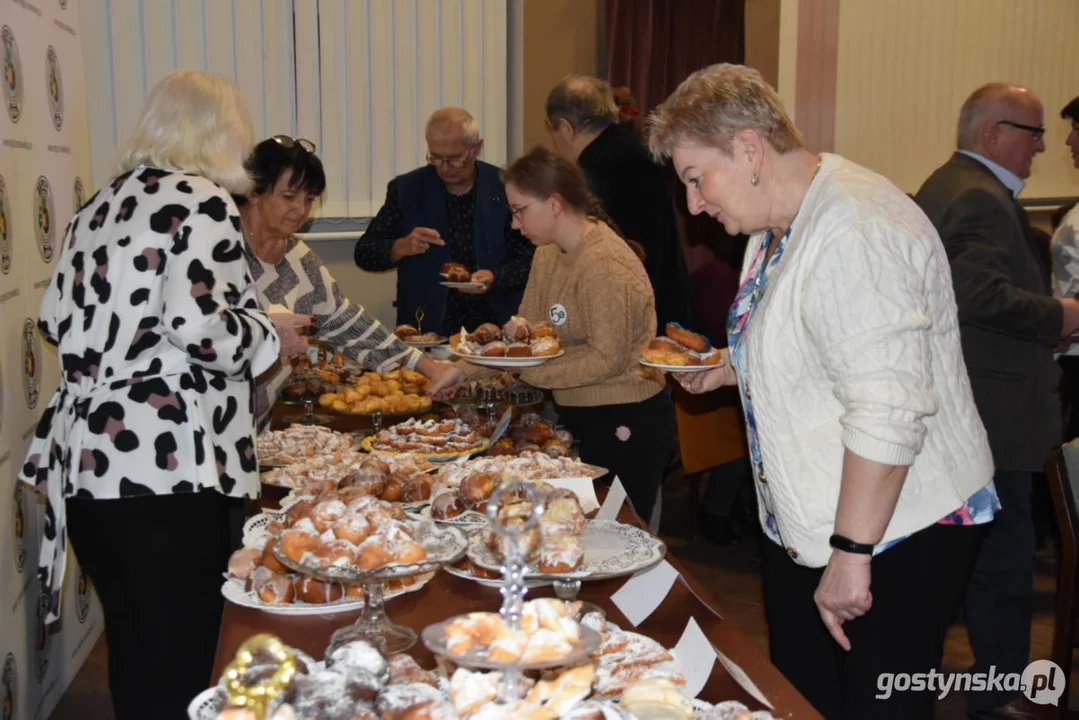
(917, 589)
(999, 603)
(640, 459)
(157, 564)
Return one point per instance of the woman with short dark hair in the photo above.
(288, 179)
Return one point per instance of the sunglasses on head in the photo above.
(289, 142)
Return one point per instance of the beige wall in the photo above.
(762, 38)
(560, 37)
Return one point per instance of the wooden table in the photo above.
(446, 595)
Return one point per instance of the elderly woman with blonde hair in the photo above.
(150, 435)
(872, 466)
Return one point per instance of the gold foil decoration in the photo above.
(256, 697)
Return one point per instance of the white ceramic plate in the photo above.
(461, 285)
(611, 549)
(234, 592)
(507, 362)
(682, 368)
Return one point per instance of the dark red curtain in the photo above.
(652, 45)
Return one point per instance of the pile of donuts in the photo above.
(338, 533)
(427, 437)
(508, 468)
(548, 633)
(398, 391)
(680, 347)
(553, 546)
(529, 433)
(394, 478)
(516, 339)
(298, 443)
(409, 335)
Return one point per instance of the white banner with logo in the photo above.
(44, 162)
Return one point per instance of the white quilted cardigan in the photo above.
(856, 345)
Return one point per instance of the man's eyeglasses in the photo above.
(289, 142)
(456, 161)
(1036, 130)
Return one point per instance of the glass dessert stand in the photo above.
(514, 589)
(443, 545)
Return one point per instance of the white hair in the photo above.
(196, 122)
(449, 119)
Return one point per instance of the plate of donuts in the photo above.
(517, 344)
(681, 350)
(605, 549)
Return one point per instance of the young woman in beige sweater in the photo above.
(589, 283)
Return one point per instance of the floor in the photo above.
(729, 572)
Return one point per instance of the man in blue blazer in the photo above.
(451, 210)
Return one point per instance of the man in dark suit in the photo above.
(451, 210)
(1010, 324)
(583, 120)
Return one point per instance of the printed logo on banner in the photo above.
(45, 215)
(41, 647)
(55, 87)
(31, 362)
(10, 679)
(12, 74)
(5, 230)
(80, 194)
(82, 597)
(20, 527)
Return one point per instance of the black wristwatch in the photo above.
(847, 545)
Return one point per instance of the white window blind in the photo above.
(357, 77)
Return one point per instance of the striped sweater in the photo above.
(301, 283)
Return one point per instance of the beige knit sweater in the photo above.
(600, 301)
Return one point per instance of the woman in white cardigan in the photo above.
(872, 465)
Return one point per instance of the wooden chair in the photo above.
(1067, 515)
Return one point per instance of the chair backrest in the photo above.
(1062, 469)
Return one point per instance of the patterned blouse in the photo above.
(159, 336)
(979, 508)
(1065, 252)
(462, 309)
(301, 283)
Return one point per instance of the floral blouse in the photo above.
(979, 508)
(159, 337)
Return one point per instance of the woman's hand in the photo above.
(708, 380)
(443, 378)
(843, 593)
(286, 324)
(485, 278)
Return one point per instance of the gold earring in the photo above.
(753, 179)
